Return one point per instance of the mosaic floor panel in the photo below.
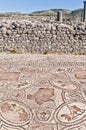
(42, 92)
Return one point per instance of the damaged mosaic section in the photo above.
(42, 93)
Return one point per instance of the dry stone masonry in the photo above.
(26, 36)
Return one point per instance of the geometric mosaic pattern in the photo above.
(42, 92)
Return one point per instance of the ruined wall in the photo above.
(39, 37)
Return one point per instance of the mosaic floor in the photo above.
(42, 92)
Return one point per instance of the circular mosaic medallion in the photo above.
(14, 113)
(70, 113)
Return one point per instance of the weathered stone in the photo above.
(42, 35)
(84, 15)
(59, 16)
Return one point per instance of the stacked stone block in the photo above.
(39, 37)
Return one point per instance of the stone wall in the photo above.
(24, 36)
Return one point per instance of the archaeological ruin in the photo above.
(41, 34)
